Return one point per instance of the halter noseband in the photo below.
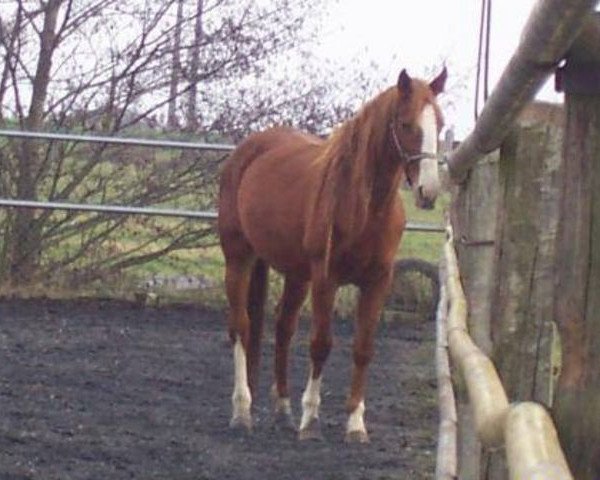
(408, 159)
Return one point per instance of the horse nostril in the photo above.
(428, 204)
(424, 202)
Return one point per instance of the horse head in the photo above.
(415, 130)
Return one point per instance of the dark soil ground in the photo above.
(108, 390)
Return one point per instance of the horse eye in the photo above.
(406, 126)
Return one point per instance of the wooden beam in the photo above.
(550, 30)
(532, 446)
(586, 47)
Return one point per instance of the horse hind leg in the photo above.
(294, 294)
(238, 273)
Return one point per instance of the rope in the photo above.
(483, 54)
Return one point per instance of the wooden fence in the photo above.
(525, 429)
(526, 236)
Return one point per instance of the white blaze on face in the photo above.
(241, 398)
(311, 400)
(429, 180)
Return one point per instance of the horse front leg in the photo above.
(323, 296)
(371, 301)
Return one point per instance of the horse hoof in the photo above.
(311, 432)
(284, 422)
(357, 436)
(241, 424)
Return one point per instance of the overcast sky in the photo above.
(417, 34)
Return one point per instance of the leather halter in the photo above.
(408, 159)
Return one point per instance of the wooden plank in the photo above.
(473, 211)
(473, 214)
(446, 460)
(523, 296)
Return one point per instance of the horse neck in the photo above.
(368, 169)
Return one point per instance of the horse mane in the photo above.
(341, 204)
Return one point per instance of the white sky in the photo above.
(419, 34)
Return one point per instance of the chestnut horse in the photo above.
(323, 213)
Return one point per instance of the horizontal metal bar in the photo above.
(424, 227)
(118, 209)
(162, 212)
(139, 142)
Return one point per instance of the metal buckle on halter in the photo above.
(417, 157)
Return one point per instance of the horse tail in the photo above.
(257, 297)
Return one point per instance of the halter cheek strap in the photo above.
(408, 159)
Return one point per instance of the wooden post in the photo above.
(522, 329)
(505, 227)
(577, 302)
(473, 218)
(522, 317)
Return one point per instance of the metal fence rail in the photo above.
(137, 142)
(160, 212)
(131, 210)
(117, 209)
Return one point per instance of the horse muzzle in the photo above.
(423, 201)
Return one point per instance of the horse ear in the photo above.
(437, 84)
(405, 83)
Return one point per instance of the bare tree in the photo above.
(194, 73)
(172, 120)
(99, 65)
(24, 249)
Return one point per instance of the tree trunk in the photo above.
(577, 402)
(25, 238)
(192, 112)
(172, 120)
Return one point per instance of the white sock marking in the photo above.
(311, 400)
(356, 422)
(241, 398)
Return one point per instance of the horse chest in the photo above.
(352, 266)
(371, 254)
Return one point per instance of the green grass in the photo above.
(424, 245)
